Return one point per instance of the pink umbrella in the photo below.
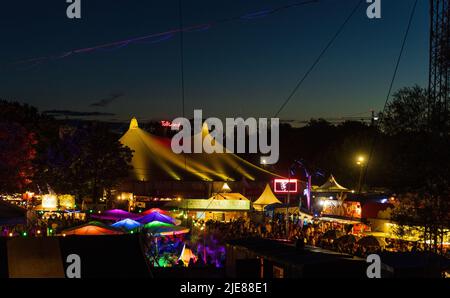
(146, 212)
(115, 214)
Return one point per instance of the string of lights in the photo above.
(162, 36)
(317, 60)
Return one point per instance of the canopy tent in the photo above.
(156, 216)
(218, 202)
(156, 224)
(229, 196)
(93, 228)
(164, 229)
(153, 159)
(127, 224)
(266, 198)
(115, 214)
(146, 212)
(11, 215)
(187, 255)
(331, 186)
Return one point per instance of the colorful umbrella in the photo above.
(93, 228)
(127, 224)
(164, 229)
(156, 224)
(146, 212)
(156, 216)
(115, 214)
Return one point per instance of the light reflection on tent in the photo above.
(153, 158)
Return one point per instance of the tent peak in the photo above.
(134, 123)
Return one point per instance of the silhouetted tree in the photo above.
(420, 165)
(16, 157)
(88, 161)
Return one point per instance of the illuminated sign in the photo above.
(166, 123)
(49, 202)
(285, 186)
(67, 201)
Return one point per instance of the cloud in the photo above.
(76, 113)
(107, 100)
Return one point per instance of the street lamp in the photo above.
(360, 161)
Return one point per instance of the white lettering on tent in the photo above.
(74, 268)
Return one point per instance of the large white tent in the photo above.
(153, 159)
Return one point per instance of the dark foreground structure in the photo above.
(259, 258)
(101, 257)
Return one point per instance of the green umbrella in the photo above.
(161, 228)
(156, 224)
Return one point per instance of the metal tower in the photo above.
(439, 72)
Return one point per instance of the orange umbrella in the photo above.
(92, 229)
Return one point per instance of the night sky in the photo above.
(240, 68)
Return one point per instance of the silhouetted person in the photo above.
(180, 263)
(300, 244)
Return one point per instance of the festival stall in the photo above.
(220, 207)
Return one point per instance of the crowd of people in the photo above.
(43, 224)
(306, 232)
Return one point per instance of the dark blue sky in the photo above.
(240, 68)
